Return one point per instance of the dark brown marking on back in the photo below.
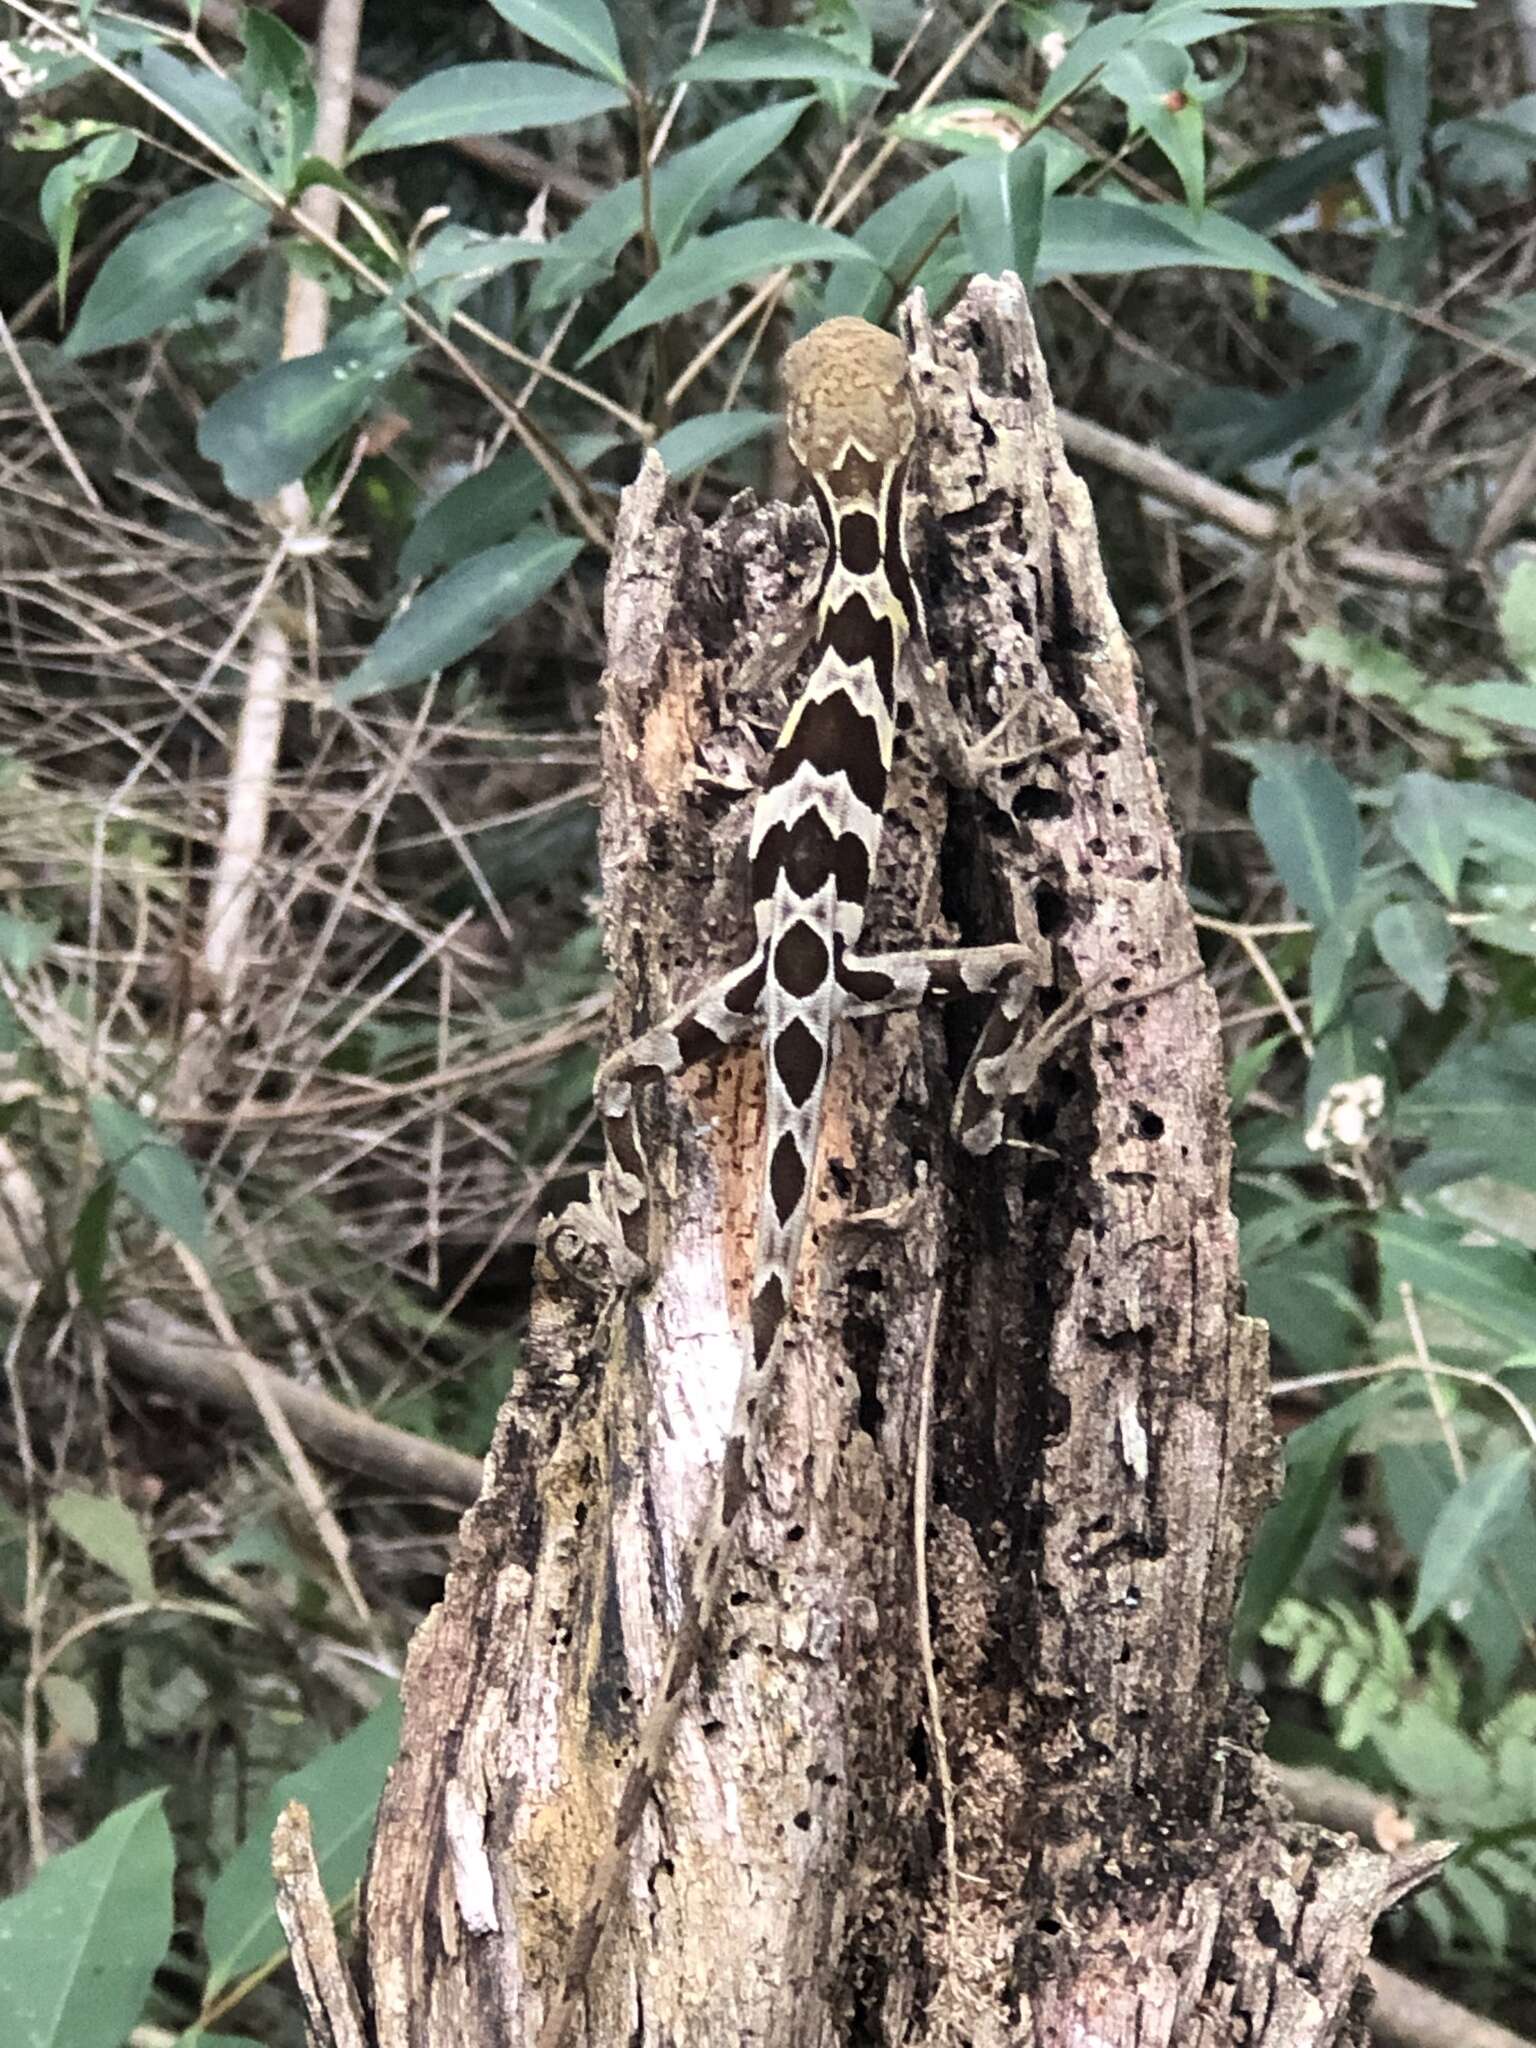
(858, 540)
(897, 574)
(767, 1314)
(801, 960)
(786, 1177)
(850, 869)
(855, 634)
(802, 850)
(733, 1474)
(797, 1061)
(834, 737)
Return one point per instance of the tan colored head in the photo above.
(846, 387)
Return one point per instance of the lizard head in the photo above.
(847, 395)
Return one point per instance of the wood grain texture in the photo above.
(1102, 1446)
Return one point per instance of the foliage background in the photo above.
(311, 1074)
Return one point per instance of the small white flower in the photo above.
(1053, 48)
(1346, 1113)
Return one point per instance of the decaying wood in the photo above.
(1100, 1439)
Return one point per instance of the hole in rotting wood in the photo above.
(1034, 801)
(803, 1820)
(1148, 1122)
(917, 1752)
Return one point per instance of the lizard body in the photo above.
(814, 840)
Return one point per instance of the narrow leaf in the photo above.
(271, 427)
(579, 29)
(1414, 939)
(769, 53)
(684, 191)
(151, 1171)
(1429, 824)
(1303, 811)
(459, 611)
(108, 1533)
(1517, 617)
(275, 79)
(492, 505)
(1002, 210)
(485, 99)
(1314, 1458)
(163, 268)
(341, 1787)
(69, 184)
(79, 1947)
(211, 104)
(1468, 1532)
(1488, 1287)
(711, 264)
(698, 442)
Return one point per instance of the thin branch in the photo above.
(1235, 510)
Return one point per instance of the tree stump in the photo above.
(1021, 1385)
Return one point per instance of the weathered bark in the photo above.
(1100, 1438)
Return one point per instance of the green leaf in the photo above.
(579, 29)
(151, 1171)
(897, 235)
(1314, 1458)
(466, 257)
(73, 1707)
(1487, 1287)
(24, 941)
(1249, 1067)
(492, 505)
(1087, 54)
(106, 1531)
(272, 426)
(69, 184)
(79, 1947)
(1102, 237)
(1517, 617)
(341, 1788)
(1002, 210)
(1161, 90)
(485, 99)
(769, 53)
(89, 1239)
(1469, 1531)
(1333, 954)
(276, 82)
(1303, 811)
(711, 264)
(163, 268)
(1267, 194)
(684, 191)
(698, 442)
(460, 610)
(213, 105)
(1502, 703)
(1499, 820)
(1429, 824)
(1414, 939)
(1477, 1106)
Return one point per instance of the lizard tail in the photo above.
(799, 1017)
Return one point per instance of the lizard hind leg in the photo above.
(725, 1013)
